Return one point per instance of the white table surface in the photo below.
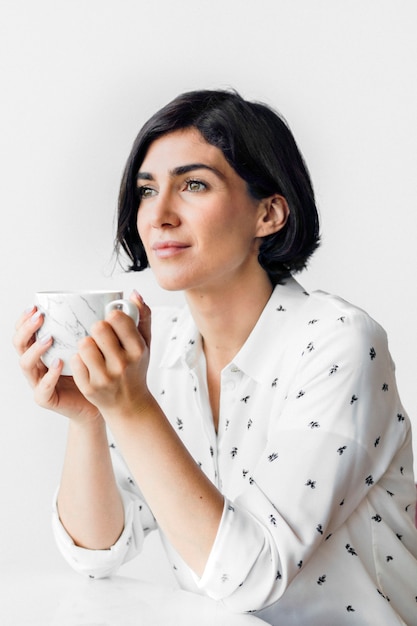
(39, 598)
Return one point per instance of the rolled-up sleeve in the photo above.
(229, 565)
(138, 522)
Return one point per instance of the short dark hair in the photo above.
(258, 144)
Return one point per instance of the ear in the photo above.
(273, 215)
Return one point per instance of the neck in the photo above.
(226, 317)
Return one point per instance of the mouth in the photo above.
(166, 249)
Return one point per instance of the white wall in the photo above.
(79, 77)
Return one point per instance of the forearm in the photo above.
(89, 503)
(111, 371)
(186, 504)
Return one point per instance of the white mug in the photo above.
(69, 316)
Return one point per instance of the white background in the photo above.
(77, 80)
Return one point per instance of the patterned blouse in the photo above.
(313, 455)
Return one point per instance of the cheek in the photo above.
(141, 225)
(211, 224)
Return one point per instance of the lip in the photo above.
(165, 249)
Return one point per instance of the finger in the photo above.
(30, 360)
(119, 341)
(80, 372)
(145, 313)
(131, 343)
(45, 390)
(92, 359)
(26, 327)
(25, 316)
(108, 341)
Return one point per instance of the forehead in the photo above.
(179, 148)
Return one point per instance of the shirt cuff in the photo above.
(101, 563)
(239, 542)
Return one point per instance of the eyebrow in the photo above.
(183, 169)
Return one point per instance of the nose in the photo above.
(164, 210)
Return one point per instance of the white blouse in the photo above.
(313, 455)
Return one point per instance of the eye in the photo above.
(195, 185)
(145, 192)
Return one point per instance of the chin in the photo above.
(176, 276)
(171, 283)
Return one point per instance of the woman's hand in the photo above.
(51, 390)
(111, 365)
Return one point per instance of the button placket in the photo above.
(201, 402)
(229, 384)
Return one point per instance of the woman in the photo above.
(260, 429)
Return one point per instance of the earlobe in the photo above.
(274, 215)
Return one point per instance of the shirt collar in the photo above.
(184, 342)
(253, 358)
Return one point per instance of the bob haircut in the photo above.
(259, 146)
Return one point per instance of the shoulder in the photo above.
(334, 311)
(330, 322)
(319, 312)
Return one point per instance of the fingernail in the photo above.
(56, 363)
(29, 309)
(35, 317)
(137, 295)
(45, 339)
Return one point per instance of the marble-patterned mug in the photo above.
(69, 316)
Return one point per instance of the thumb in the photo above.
(145, 315)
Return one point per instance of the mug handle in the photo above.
(126, 306)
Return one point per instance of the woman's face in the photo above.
(197, 221)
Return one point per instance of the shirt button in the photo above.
(234, 369)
